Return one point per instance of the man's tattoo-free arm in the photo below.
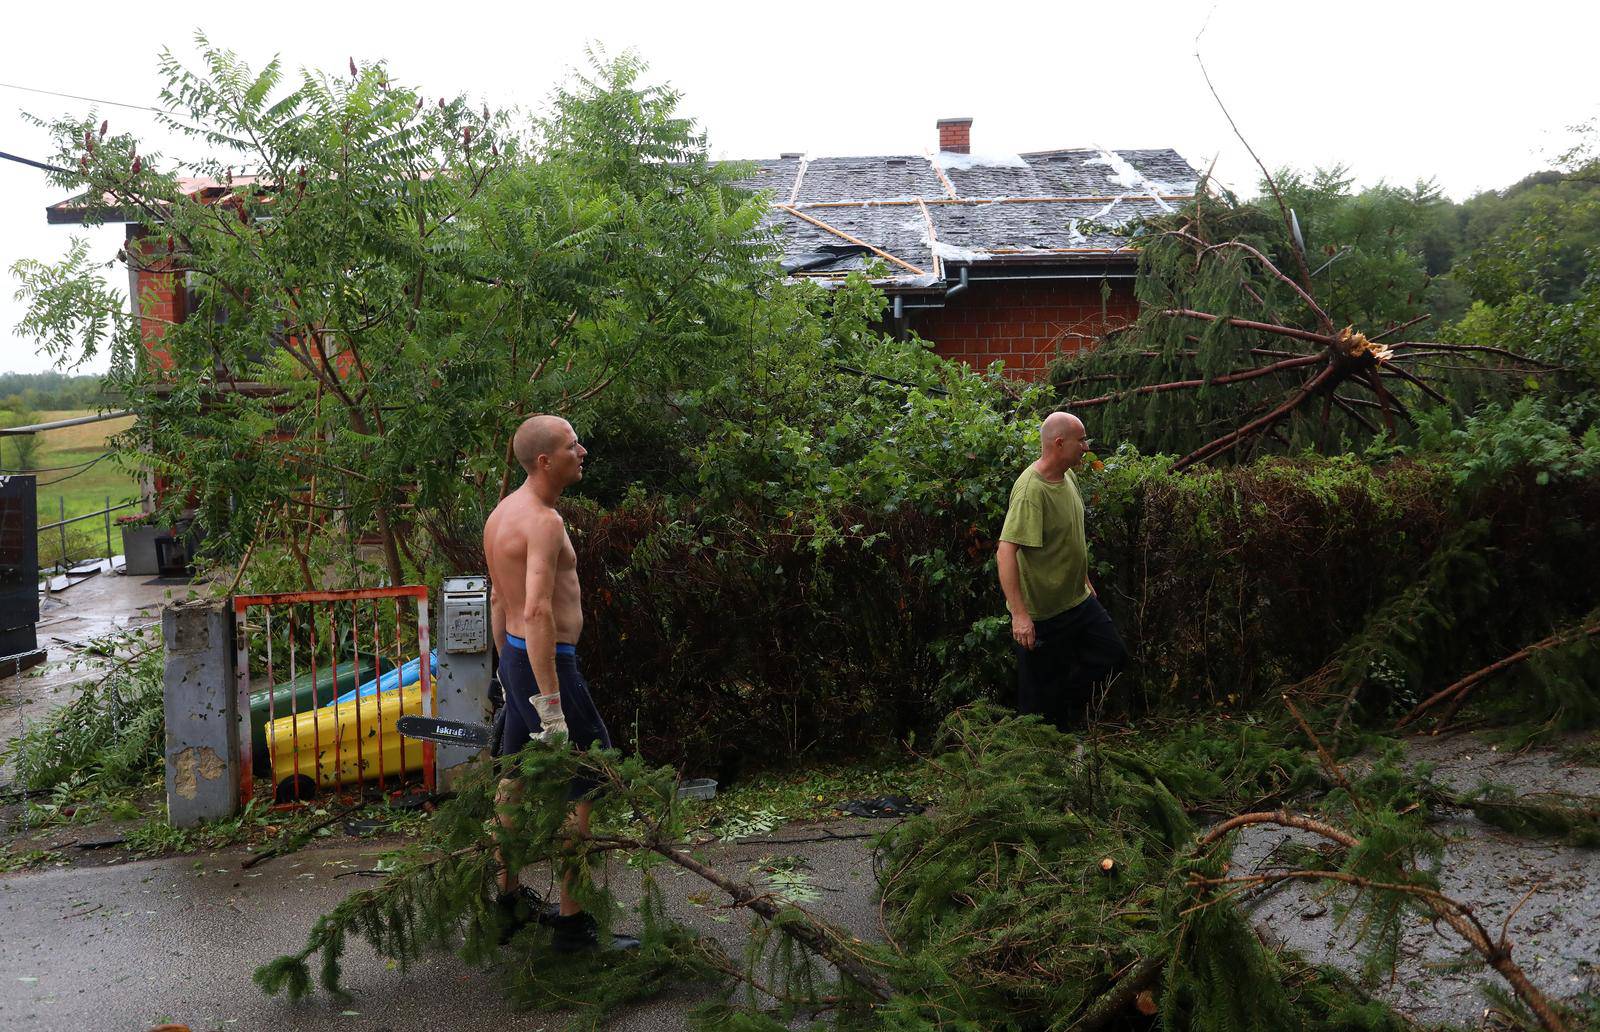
(1010, 577)
(538, 610)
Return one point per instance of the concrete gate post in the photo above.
(462, 687)
(200, 698)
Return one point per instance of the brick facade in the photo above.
(1024, 323)
(159, 293)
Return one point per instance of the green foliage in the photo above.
(1559, 685)
(20, 453)
(1494, 443)
(998, 910)
(1534, 237)
(998, 902)
(1368, 250)
(438, 894)
(1222, 765)
(13, 860)
(50, 390)
(406, 281)
(1570, 819)
(1527, 268)
(109, 738)
(1414, 634)
(1228, 584)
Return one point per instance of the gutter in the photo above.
(1001, 272)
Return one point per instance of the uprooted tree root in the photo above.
(1062, 883)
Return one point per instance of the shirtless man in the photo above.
(537, 616)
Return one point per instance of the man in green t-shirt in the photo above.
(1065, 640)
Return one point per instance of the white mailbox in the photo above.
(466, 614)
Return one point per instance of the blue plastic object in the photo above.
(404, 676)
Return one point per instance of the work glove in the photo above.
(551, 720)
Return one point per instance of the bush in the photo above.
(721, 634)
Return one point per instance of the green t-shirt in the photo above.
(1047, 521)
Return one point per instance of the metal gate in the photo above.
(355, 661)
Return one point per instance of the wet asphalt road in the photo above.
(1554, 934)
(127, 946)
(132, 945)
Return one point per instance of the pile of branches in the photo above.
(1069, 883)
(108, 738)
(1063, 882)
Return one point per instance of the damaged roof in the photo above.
(920, 214)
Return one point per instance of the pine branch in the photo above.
(817, 936)
(1237, 376)
(1452, 912)
(1460, 689)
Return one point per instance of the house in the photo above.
(1005, 257)
(1000, 257)
(156, 282)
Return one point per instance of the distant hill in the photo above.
(31, 392)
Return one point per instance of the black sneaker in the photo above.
(520, 908)
(578, 933)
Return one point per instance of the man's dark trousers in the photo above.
(1073, 653)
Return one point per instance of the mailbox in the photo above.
(466, 614)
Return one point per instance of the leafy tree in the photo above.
(49, 390)
(1535, 235)
(395, 284)
(1524, 292)
(21, 451)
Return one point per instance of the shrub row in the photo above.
(720, 636)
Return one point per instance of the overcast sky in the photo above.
(1474, 95)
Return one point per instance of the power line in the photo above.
(80, 472)
(35, 164)
(58, 469)
(91, 100)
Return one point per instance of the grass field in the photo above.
(77, 489)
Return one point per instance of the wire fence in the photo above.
(71, 540)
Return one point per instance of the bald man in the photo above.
(1065, 641)
(537, 615)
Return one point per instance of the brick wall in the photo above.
(160, 293)
(1025, 323)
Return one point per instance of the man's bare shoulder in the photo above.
(524, 518)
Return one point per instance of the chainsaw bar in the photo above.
(445, 732)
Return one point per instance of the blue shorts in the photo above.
(584, 725)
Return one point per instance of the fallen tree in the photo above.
(1062, 882)
(1185, 258)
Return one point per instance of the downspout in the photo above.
(959, 287)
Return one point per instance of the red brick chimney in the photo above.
(955, 135)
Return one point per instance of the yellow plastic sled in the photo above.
(327, 747)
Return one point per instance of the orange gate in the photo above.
(355, 661)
